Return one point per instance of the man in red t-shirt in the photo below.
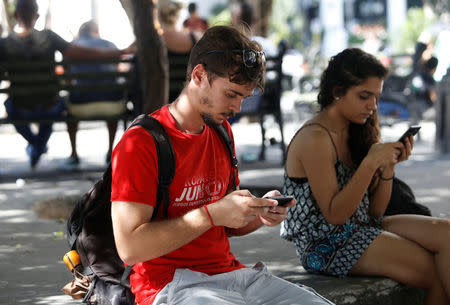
(186, 259)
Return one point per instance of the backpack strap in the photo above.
(225, 136)
(166, 159)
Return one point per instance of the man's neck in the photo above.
(188, 120)
(24, 32)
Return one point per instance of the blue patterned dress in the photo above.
(322, 247)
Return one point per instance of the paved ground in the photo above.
(31, 248)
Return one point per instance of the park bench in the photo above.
(34, 78)
(177, 75)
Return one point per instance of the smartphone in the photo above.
(282, 199)
(412, 130)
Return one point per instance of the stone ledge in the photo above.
(359, 290)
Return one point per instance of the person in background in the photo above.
(194, 22)
(29, 45)
(186, 259)
(93, 102)
(179, 43)
(242, 14)
(423, 87)
(341, 176)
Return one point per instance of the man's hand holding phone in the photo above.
(281, 199)
(277, 213)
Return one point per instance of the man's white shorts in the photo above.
(244, 286)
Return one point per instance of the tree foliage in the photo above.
(416, 22)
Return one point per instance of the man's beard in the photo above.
(208, 117)
(209, 120)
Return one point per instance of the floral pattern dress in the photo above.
(323, 247)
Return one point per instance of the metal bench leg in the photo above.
(279, 119)
(262, 152)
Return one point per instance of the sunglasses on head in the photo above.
(249, 56)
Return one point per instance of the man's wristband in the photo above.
(209, 216)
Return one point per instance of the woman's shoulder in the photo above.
(312, 131)
(178, 41)
(312, 137)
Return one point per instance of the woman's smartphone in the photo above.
(412, 130)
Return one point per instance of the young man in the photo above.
(186, 259)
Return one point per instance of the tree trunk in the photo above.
(151, 53)
(48, 16)
(9, 13)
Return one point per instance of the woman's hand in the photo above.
(386, 154)
(408, 144)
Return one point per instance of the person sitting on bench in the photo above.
(31, 45)
(88, 103)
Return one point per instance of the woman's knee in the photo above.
(431, 233)
(403, 260)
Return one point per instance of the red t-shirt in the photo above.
(196, 24)
(202, 175)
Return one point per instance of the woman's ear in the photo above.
(337, 93)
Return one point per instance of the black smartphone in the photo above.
(412, 130)
(282, 199)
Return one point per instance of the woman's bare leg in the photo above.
(431, 233)
(405, 261)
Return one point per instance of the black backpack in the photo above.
(102, 278)
(403, 201)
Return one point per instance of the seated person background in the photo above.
(423, 86)
(194, 22)
(242, 15)
(29, 45)
(178, 42)
(91, 103)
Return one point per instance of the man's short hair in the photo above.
(88, 28)
(192, 7)
(216, 51)
(26, 10)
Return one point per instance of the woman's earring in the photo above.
(336, 98)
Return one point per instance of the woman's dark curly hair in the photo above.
(350, 68)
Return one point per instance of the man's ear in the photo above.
(198, 74)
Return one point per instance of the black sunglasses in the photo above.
(249, 56)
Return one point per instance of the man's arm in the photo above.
(78, 52)
(138, 239)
